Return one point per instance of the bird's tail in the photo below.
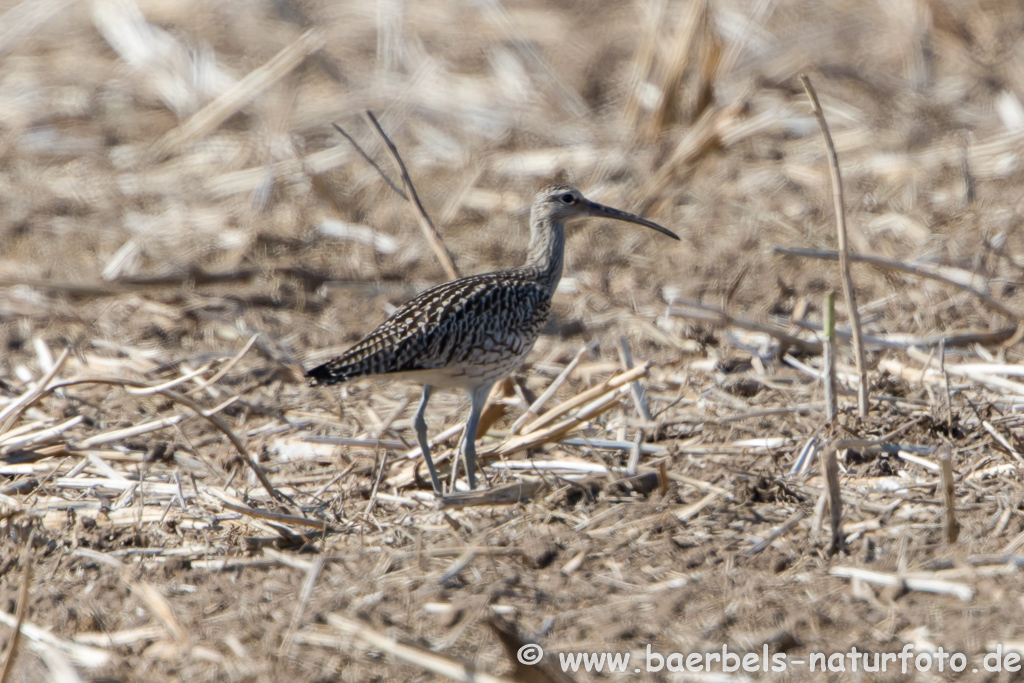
(328, 373)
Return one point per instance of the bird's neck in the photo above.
(544, 257)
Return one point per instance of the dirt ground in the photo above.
(182, 231)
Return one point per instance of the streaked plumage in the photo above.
(471, 332)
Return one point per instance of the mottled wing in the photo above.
(473, 322)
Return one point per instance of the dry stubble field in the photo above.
(182, 230)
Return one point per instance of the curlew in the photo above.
(471, 332)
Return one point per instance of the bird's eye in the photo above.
(568, 198)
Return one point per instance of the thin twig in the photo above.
(844, 266)
(429, 231)
(369, 160)
(909, 268)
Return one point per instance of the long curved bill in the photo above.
(602, 211)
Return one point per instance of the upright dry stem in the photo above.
(427, 225)
(844, 265)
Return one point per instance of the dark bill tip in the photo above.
(602, 211)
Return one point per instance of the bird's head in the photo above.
(561, 203)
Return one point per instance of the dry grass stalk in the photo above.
(161, 609)
(129, 432)
(24, 19)
(699, 141)
(510, 494)
(1002, 440)
(427, 225)
(237, 506)
(305, 595)
(945, 379)
(9, 444)
(711, 50)
(844, 266)
(542, 435)
(639, 397)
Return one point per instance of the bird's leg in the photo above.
(419, 423)
(477, 399)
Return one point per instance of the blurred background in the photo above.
(190, 140)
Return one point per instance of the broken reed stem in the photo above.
(835, 500)
(427, 225)
(26, 582)
(844, 264)
(532, 412)
(831, 401)
(946, 463)
(586, 396)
